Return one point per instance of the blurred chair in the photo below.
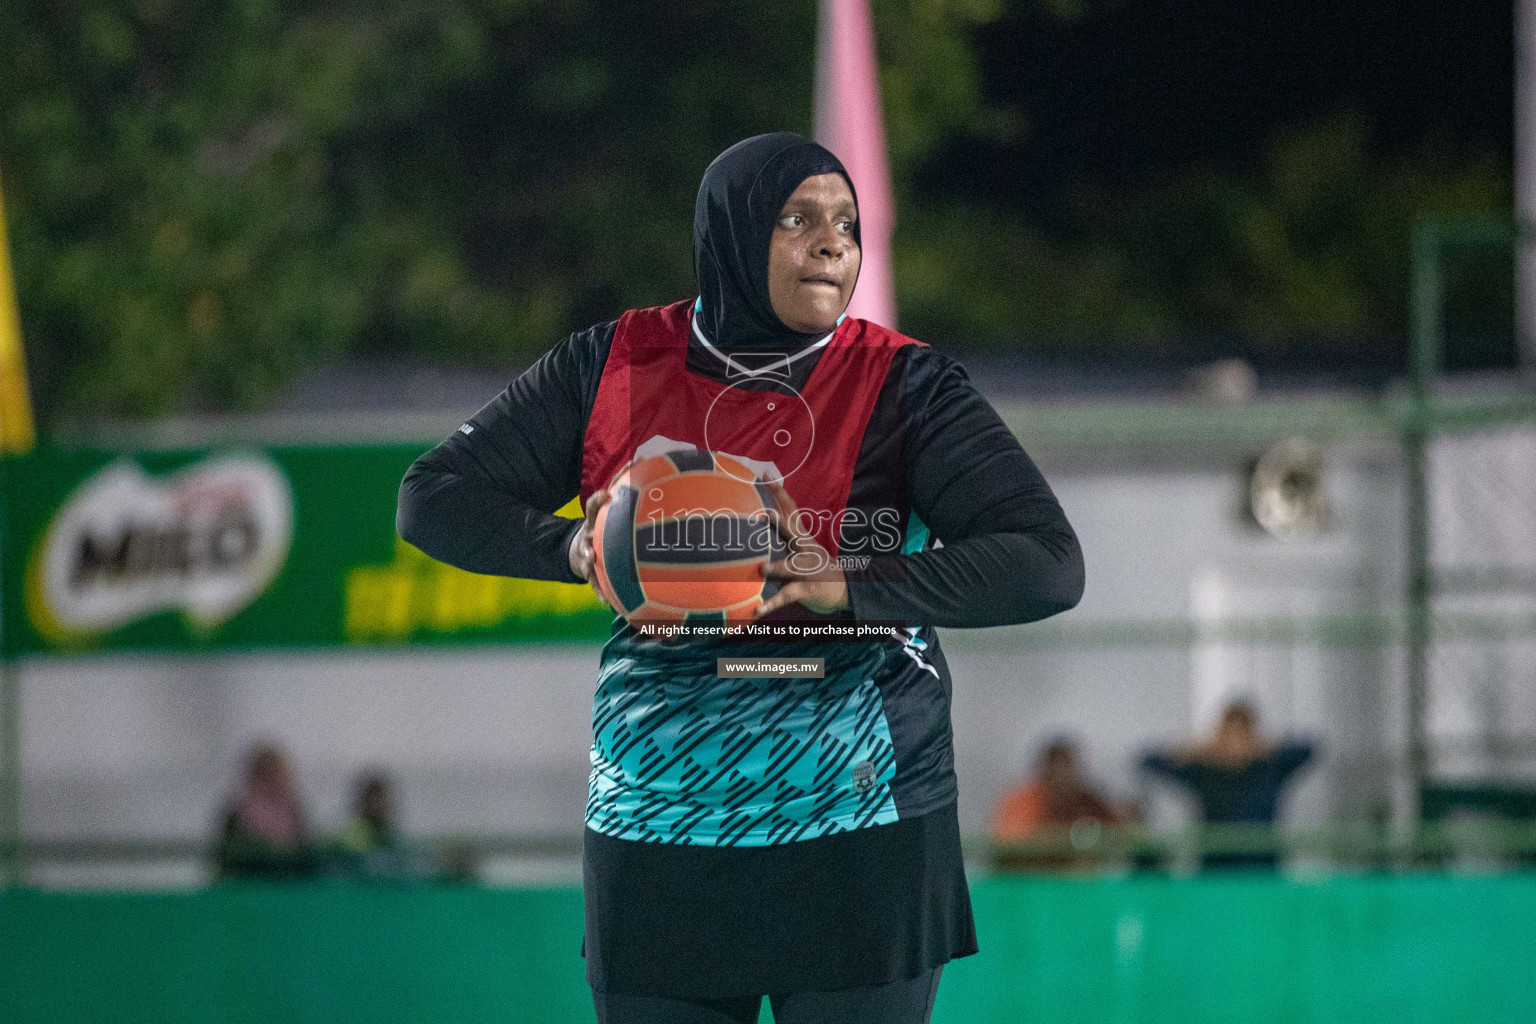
(1478, 825)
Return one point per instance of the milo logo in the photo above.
(206, 541)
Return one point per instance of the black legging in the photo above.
(909, 1001)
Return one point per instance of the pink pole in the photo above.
(850, 123)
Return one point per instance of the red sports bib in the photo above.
(648, 401)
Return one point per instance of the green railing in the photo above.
(1495, 827)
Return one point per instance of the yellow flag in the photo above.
(17, 433)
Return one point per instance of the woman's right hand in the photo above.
(580, 553)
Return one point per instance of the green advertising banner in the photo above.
(230, 548)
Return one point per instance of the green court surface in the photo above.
(1430, 948)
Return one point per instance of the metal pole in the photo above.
(1525, 179)
(1424, 356)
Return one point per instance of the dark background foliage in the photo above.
(207, 197)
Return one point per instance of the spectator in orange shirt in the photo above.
(1046, 808)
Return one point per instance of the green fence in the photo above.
(1250, 949)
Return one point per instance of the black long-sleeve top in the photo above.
(484, 499)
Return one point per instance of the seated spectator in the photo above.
(370, 846)
(372, 828)
(263, 832)
(1236, 778)
(1046, 808)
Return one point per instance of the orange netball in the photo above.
(682, 537)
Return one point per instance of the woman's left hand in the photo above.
(808, 574)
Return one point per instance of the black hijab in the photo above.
(733, 219)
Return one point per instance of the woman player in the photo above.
(794, 838)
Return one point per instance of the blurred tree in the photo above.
(1249, 173)
(1313, 243)
(183, 232)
